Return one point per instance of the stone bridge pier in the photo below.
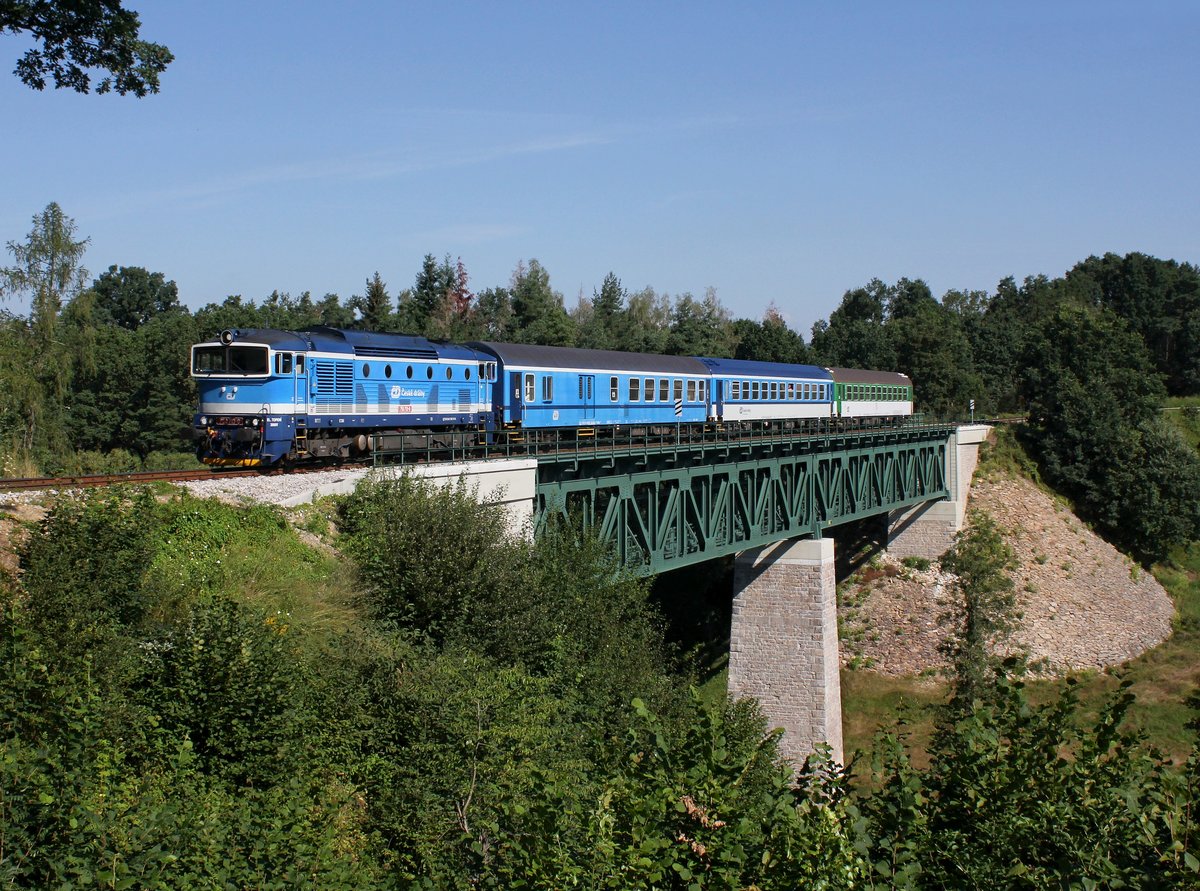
(783, 643)
(783, 646)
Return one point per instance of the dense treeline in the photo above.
(96, 377)
(188, 702)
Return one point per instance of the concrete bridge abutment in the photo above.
(928, 529)
(783, 647)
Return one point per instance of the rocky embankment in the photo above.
(1083, 604)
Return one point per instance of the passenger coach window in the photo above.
(691, 391)
(737, 389)
(649, 389)
(635, 389)
(664, 390)
(703, 389)
(679, 391)
(614, 389)
(530, 391)
(754, 390)
(547, 388)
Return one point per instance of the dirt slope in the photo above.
(1084, 605)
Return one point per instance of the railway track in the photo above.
(90, 481)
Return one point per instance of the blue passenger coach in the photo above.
(746, 391)
(266, 395)
(552, 387)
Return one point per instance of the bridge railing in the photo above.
(603, 441)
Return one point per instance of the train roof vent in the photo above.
(404, 352)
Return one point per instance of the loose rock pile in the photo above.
(1083, 604)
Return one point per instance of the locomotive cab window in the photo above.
(230, 360)
(283, 363)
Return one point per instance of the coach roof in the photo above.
(525, 355)
(751, 368)
(858, 376)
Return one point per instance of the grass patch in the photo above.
(1003, 454)
(1183, 414)
(254, 555)
(871, 702)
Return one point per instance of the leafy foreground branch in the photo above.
(185, 704)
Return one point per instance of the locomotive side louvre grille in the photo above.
(405, 353)
(333, 379)
(464, 399)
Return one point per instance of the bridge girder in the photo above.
(665, 510)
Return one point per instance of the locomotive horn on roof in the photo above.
(227, 336)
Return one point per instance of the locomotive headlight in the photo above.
(203, 421)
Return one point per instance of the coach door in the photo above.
(517, 395)
(300, 384)
(587, 396)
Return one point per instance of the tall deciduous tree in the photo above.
(700, 327)
(129, 296)
(770, 340)
(47, 269)
(854, 336)
(79, 35)
(1093, 423)
(1159, 299)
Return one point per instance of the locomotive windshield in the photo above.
(229, 360)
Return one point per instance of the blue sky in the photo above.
(779, 152)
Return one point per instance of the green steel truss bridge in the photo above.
(669, 504)
(683, 496)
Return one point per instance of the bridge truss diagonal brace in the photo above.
(671, 516)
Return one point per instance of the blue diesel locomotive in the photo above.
(268, 396)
